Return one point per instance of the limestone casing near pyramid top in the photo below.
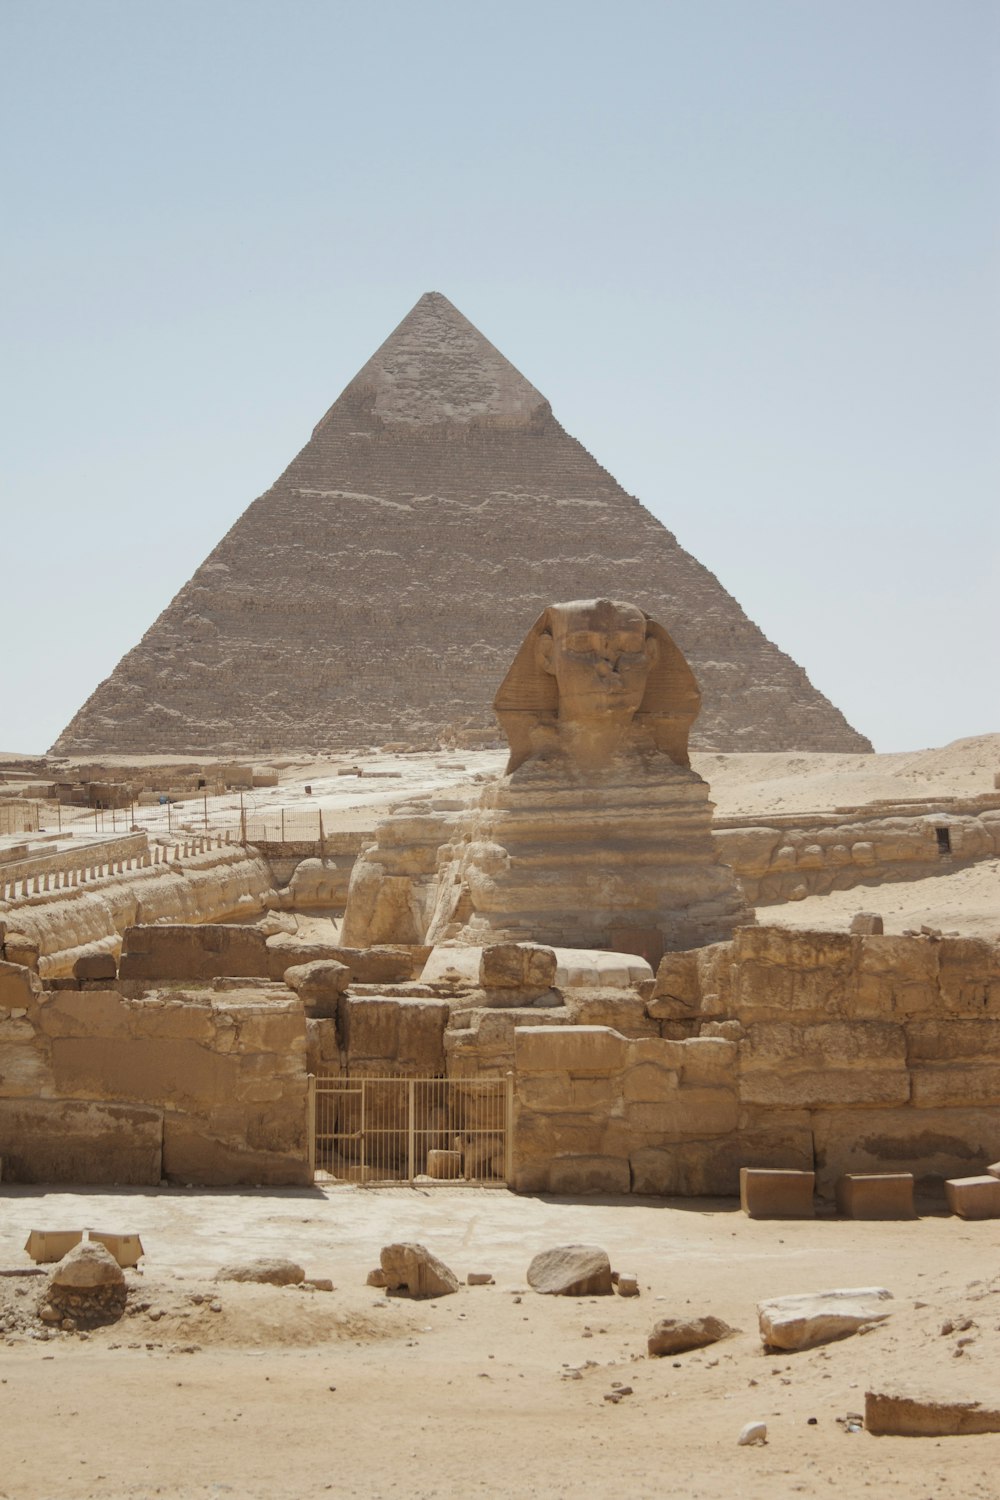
(378, 590)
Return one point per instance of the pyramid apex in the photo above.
(436, 367)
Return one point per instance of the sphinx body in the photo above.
(599, 834)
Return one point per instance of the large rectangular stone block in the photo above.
(80, 1141)
(932, 1144)
(392, 1034)
(193, 1152)
(826, 1088)
(974, 1197)
(575, 1175)
(876, 1195)
(578, 1050)
(179, 951)
(771, 1193)
(693, 1168)
(969, 972)
(950, 1039)
(686, 1112)
(961, 1085)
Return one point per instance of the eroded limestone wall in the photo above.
(200, 887)
(779, 1049)
(194, 1087)
(802, 856)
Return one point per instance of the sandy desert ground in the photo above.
(496, 1390)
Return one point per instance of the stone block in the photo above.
(969, 974)
(95, 966)
(868, 923)
(700, 1168)
(876, 1195)
(646, 1083)
(911, 1414)
(192, 1152)
(182, 951)
(581, 1175)
(319, 985)
(80, 1141)
(776, 1194)
(443, 1165)
(932, 1144)
(964, 1084)
(517, 966)
(577, 1050)
(952, 1040)
(685, 1112)
(19, 986)
(709, 1060)
(974, 1197)
(21, 949)
(391, 1032)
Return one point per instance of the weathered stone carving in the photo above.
(595, 678)
(599, 836)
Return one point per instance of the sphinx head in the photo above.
(592, 677)
(600, 654)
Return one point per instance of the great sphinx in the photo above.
(598, 835)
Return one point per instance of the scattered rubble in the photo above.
(571, 1271)
(802, 1322)
(414, 1269)
(678, 1335)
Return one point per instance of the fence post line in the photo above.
(508, 1136)
(282, 824)
(311, 1123)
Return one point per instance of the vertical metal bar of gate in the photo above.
(411, 1128)
(311, 1122)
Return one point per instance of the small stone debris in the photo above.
(479, 1278)
(413, 1268)
(627, 1284)
(678, 1335)
(751, 1434)
(375, 1277)
(319, 1283)
(571, 1271)
(270, 1270)
(617, 1392)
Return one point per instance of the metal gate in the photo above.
(394, 1129)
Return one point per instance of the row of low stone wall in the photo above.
(74, 865)
(195, 1088)
(194, 885)
(794, 857)
(77, 864)
(824, 1051)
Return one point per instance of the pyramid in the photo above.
(379, 589)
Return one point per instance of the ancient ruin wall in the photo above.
(378, 590)
(199, 887)
(195, 1088)
(798, 1050)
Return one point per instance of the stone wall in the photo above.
(780, 1049)
(193, 1087)
(198, 887)
(810, 855)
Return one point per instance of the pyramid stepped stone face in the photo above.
(378, 590)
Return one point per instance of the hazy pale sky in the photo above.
(748, 249)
